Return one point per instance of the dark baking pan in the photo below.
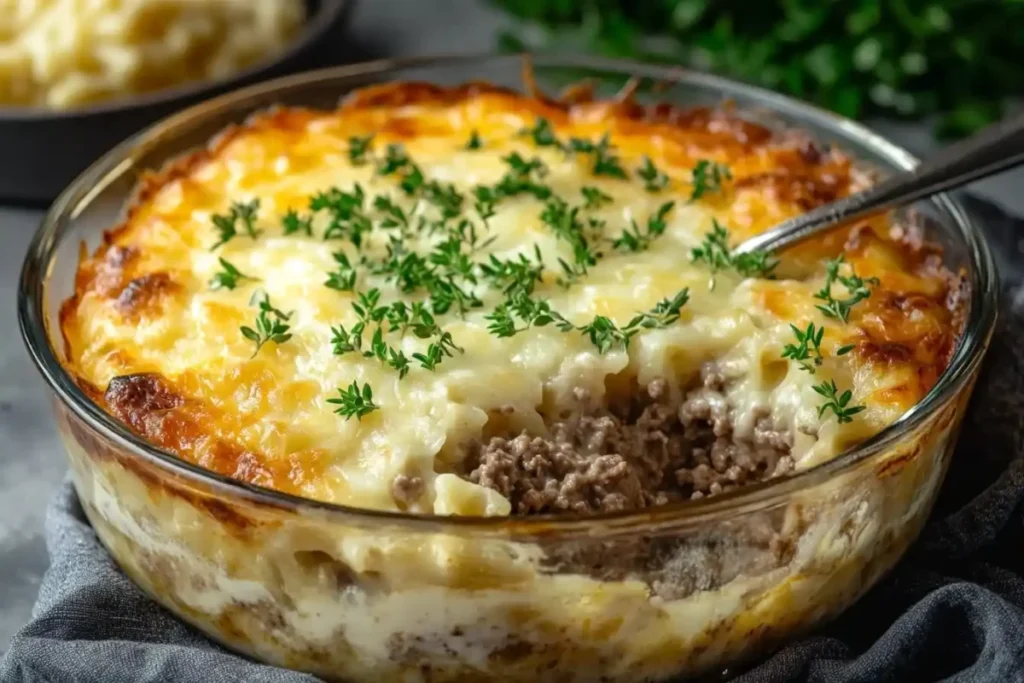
(41, 150)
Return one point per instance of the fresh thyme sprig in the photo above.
(522, 177)
(708, 176)
(605, 334)
(437, 351)
(542, 133)
(354, 402)
(807, 351)
(838, 403)
(606, 162)
(394, 215)
(594, 198)
(716, 253)
(445, 197)
(228, 276)
(358, 146)
(400, 317)
(654, 180)
(271, 323)
(514, 275)
(227, 225)
(344, 277)
(633, 239)
(602, 331)
(292, 223)
(664, 313)
(856, 286)
(563, 220)
(345, 211)
(390, 356)
(395, 159)
(531, 312)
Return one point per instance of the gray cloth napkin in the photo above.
(952, 610)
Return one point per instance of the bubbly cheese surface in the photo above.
(150, 339)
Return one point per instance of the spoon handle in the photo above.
(994, 149)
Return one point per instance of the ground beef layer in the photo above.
(664, 446)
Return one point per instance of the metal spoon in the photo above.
(996, 148)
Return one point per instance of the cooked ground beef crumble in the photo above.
(662, 450)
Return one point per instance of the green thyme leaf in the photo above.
(594, 198)
(241, 216)
(292, 223)
(344, 278)
(634, 239)
(807, 350)
(707, 177)
(358, 147)
(715, 252)
(654, 180)
(354, 402)
(857, 288)
(228, 276)
(838, 403)
(542, 133)
(271, 323)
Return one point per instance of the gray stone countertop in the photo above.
(31, 458)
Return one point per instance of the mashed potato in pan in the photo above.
(68, 53)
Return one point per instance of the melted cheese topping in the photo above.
(143, 303)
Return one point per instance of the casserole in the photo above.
(363, 594)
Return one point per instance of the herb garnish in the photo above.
(594, 198)
(856, 286)
(271, 323)
(602, 331)
(228, 276)
(514, 275)
(838, 404)
(474, 141)
(708, 177)
(292, 223)
(563, 221)
(394, 215)
(654, 180)
(227, 224)
(605, 334)
(808, 347)
(354, 402)
(542, 133)
(715, 252)
(605, 160)
(635, 240)
(345, 210)
(395, 159)
(344, 278)
(358, 147)
(437, 352)
(523, 177)
(531, 312)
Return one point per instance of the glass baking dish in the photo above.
(362, 595)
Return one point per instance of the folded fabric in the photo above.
(952, 610)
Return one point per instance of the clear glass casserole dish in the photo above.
(361, 595)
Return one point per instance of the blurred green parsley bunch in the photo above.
(958, 59)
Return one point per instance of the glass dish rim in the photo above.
(35, 276)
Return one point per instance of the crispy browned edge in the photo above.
(405, 93)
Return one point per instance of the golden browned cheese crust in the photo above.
(231, 413)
